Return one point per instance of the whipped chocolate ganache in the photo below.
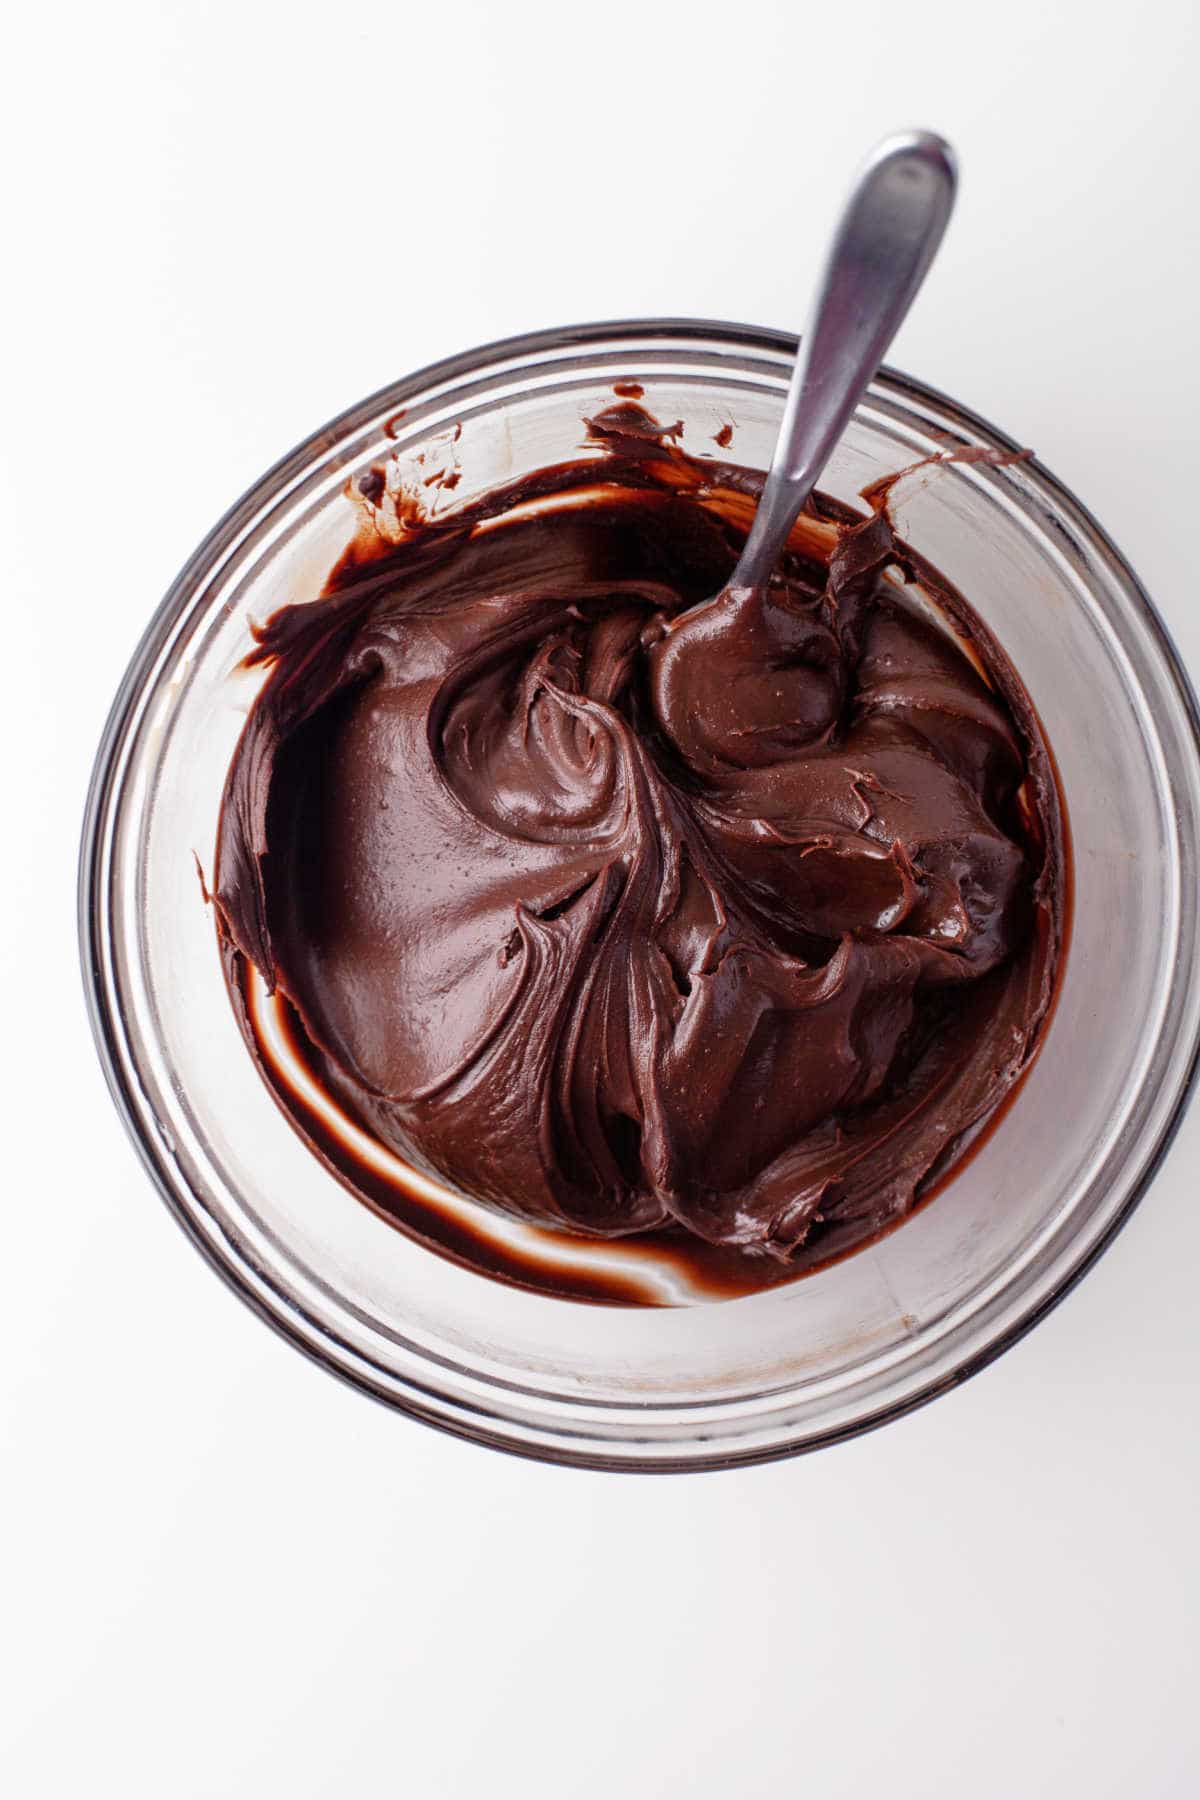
(585, 935)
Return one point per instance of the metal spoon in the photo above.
(887, 237)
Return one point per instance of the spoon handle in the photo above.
(886, 239)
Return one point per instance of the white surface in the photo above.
(226, 1575)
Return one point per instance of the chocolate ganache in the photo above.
(735, 925)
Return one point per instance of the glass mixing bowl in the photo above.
(693, 1386)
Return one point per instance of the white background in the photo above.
(224, 1573)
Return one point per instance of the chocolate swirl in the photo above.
(740, 922)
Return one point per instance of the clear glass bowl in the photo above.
(696, 1386)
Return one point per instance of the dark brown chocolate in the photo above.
(737, 925)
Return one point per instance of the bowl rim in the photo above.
(269, 488)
